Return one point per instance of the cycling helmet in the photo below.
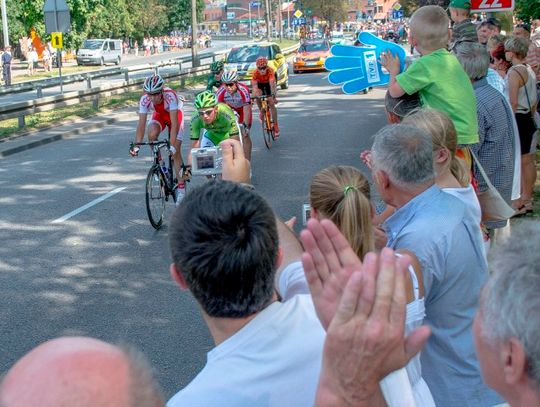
(229, 76)
(216, 67)
(205, 99)
(153, 84)
(261, 62)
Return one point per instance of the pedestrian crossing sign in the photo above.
(56, 40)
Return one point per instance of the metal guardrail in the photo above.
(22, 109)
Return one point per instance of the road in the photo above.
(129, 60)
(104, 272)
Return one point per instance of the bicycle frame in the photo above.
(156, 151)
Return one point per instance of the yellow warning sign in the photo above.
(298, 14)
(56, 40)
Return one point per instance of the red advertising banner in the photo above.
(490, 6)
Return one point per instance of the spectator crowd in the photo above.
(422, 300)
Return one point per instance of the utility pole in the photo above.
(4, 24)
(267, 18)
(194, 56)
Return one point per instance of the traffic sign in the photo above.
(231, 15)
(396, 6)
(57, 16)
(56, 40)
(298, 14)
(397, 14)
(254, 4)
(490, 6)
(298, 21)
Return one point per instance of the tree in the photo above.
(180, 14)
(330, 10)
(527, 10)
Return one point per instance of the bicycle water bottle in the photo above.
(164, 168)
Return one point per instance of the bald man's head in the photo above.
(79, 371)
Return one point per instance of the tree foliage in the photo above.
(104, 18)
(328, 10)
(527, 10)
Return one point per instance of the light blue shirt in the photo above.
(437, 227)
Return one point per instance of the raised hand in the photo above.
(365, 340)
(328, 261)
(359, 68)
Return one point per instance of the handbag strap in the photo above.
(481, 169)
(526, 92)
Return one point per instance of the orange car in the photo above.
(311, 56)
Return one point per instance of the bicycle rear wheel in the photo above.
(155, 196)
(268, 131)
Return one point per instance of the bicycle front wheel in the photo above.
(155, 196)
(268, 131)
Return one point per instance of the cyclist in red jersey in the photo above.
(264, 82)
(236, 96)
(167, 113)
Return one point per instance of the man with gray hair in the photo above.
(497, 137)
(447, 240)
(507, 325)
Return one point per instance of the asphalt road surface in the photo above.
(104, 272)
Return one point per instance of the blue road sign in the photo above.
(298, 21)
(255, 4)
(397, 14)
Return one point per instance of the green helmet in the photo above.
(205, 99)
(216, 66)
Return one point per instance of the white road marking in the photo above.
(306, 89)
(325, 76)
(88, 205)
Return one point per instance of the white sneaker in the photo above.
(179, 193)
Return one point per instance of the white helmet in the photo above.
(153, 84)
(229, 76)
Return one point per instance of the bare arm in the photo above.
(514, 83)
(290, 247)
(174, 125)
(141, 127)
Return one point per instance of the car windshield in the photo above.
(92, 44)
(314, 47)
(248, 54)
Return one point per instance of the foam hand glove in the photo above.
(358, 68)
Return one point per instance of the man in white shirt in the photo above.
(226, 250)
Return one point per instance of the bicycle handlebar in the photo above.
(152, 143)
(263, 96)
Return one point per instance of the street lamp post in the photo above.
(5, 24)
(249, 17)
(194, 56)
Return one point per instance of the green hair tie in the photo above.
(348, 188)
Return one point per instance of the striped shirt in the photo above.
(533, 59)
(495, 149)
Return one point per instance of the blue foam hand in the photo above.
(358, 68)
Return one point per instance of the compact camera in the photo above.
(306, 213)
(206, 161)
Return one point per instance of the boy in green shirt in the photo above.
(437, 75)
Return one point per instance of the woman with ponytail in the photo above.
(342, 194)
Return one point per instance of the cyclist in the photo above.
(214, 80)
(236, 96)
(167, 114)
(213, 123)
(264, 83)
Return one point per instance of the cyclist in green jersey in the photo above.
(214, 80)
(213, 123)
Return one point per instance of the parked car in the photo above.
(311, 56)
(243, 58)
(337, 38)
(100, 51)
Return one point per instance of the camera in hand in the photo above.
(206, 161)
(306, 213)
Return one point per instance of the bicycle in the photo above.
(267, 122)
(160, 182)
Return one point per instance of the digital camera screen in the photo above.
(205, 162)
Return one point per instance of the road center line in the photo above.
(88, 205)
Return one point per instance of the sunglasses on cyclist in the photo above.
(262, 68)
(206, 112)
(230, 85)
